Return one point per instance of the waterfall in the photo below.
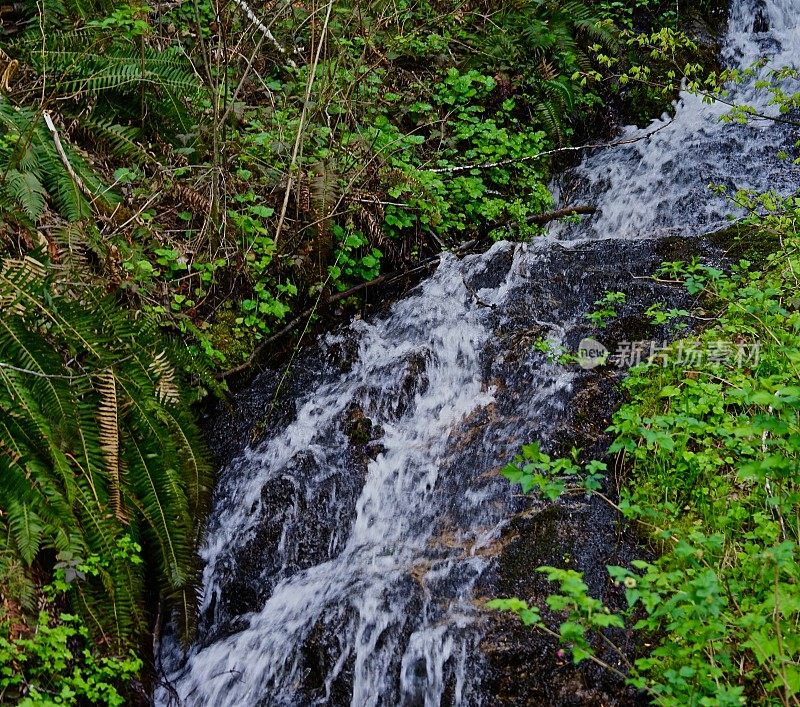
(658, 184)
(344, 571)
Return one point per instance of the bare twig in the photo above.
(540, 219)
(546, 153)
(261, 27)
(547, 216)
(305, 315)
(299, 137)
(51, 126)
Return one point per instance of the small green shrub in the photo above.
(57, 661)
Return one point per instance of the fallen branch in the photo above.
(548, 216)
(546, 153)
(51, 126)
(540, 219)
(385, 279)
(261, 27)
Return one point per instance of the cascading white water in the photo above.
(361, 570)
(659, 185)
(362, 589)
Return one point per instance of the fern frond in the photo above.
(109, 438)
(550, 118)
(559, 92)
(95, 443)
(26, 529)
(167, 390)
(16, 274)
(26, 189)
(121, 140)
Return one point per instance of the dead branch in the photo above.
(261, 27)
(385, 279)
(548, 216)
(546, 153)
(51, 126)
(540, 219)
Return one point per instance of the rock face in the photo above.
(524, 666)
(293, 528)
(359, 515)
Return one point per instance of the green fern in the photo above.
(92, 449)
(122, 141)
(32, 172)
(98, 63)
(26, 189)
(53, 13)
(547, 41)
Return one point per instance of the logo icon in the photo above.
(591, 353)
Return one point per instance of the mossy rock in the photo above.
(744, 242)
(359, 428)
(227, 338)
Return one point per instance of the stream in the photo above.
(360, 514)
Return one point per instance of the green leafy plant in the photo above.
(352, 264)
(606, 309)
(711, 459)
(55, 660)
(96, 441)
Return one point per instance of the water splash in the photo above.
(659, 184)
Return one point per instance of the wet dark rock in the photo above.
(228, 422)
(360, 429)
(761, 21)
(343, 353)
(255, 567)
(705, 25)
(494, 274)
(415, 380)
(374, 449)
(590, 415)
(268, 403)
(321, 651)
(675, 248)
(394, 401)
(704, 22)
(527, 667)
(299, 525)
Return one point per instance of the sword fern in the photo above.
(96, 442)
